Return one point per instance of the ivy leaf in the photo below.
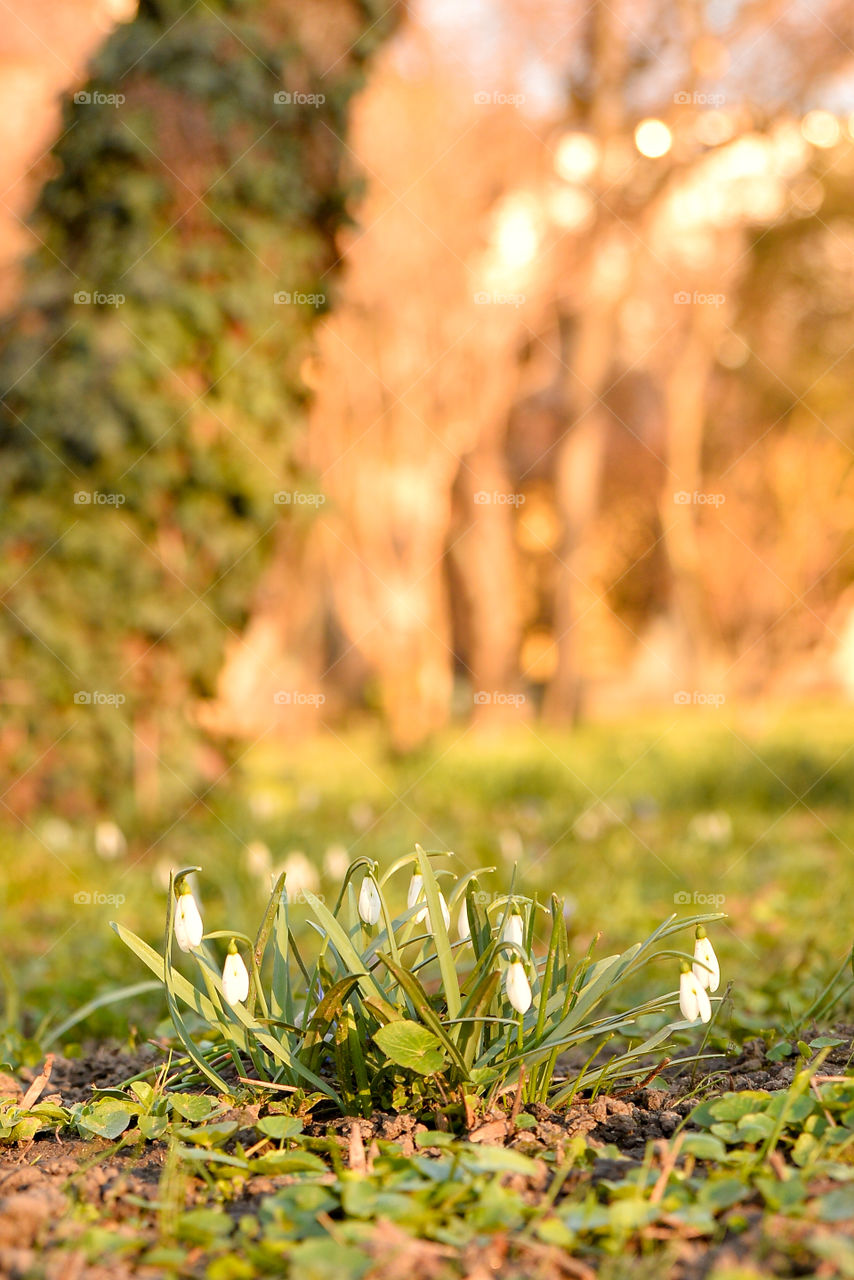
(412, 1046)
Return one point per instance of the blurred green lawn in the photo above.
(629, 821)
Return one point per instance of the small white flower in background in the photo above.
(694, 1002)
(708, 971)
(463, 926)
(301, 875)
(235, 976)
(336, 860)
(517, 987)
(188, 921)
(259, 860)
(264, 804)
(369, 901)
(57, 834)
(109, 840)
(514, 929)
(446, 915)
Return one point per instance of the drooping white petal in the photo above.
(369, 901)
(188, 922)
(704, 1003)
(446, 915)
(235, 979)
(710, 977)
(416, 885)
(517, 987)
(514, 929)
(694, 1002)
(463, 926)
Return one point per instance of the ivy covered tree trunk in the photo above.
(149, 374)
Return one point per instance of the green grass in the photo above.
(751, 819)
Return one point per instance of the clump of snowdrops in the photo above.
(453, 993)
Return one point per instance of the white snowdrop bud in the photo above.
(416, 895)
(517, 987)
(369, 901)
(188, 921)
(708, 971)
(514, 929)
(235, 976)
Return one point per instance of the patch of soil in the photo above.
(106, 1067)
(40, 1187)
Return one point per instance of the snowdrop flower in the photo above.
(463, 926)
(708, 977)
(369, 901)
(416, 894)
(693, 999)
(188, 921)
(514, 929)
(517, 987)
(235, 976)
(109, 840)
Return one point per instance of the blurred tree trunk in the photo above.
(417, 376)
(272, 676)
(685, 383)
(580, 456)
(488, 563)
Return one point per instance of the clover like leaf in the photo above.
(410, 1045)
